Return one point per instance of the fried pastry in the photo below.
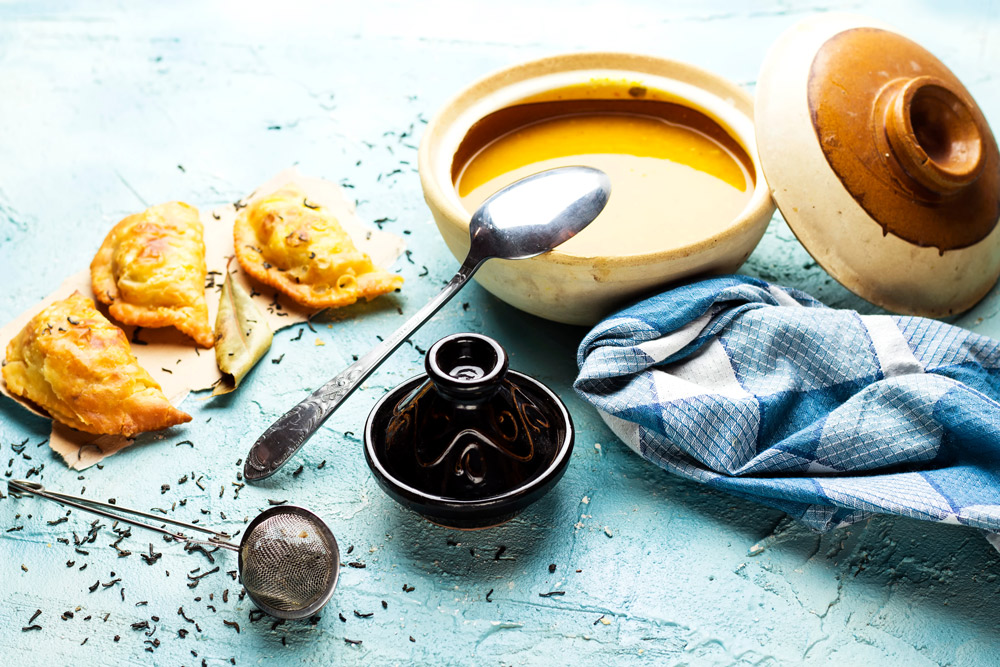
(151, 271)
(76, 365)
(285, 241)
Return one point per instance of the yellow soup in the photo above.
(676, 176)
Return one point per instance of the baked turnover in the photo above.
(151, 271)
(300, 248)
(76, 365)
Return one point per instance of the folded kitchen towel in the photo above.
(826, 414)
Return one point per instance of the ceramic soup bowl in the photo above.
(579, 283)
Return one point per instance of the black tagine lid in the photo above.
(471, 442)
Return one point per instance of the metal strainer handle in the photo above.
(19, 486)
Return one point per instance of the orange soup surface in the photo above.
(676, 176)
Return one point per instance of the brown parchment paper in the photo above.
(171, 357)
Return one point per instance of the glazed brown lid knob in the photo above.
(932, 133)
(905, 139)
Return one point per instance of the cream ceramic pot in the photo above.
(882, 164)
(582, 289)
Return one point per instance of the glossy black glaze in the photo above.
(469, 444)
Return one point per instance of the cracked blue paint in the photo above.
(110, 106)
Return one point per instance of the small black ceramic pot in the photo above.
(468, 444)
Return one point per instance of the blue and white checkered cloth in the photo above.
(826, 414)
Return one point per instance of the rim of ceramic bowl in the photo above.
(718, 98)
(551, 473)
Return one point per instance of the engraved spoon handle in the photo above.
(286, 435)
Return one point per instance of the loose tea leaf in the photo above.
(241, 336)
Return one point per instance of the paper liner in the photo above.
(171, 357)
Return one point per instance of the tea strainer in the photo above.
(289, 560)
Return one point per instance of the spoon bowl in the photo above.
(518, 221)
(524, 219)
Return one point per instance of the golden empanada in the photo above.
(71, 361)
(300, 248)
(151, 270)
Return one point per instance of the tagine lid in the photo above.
(882, 164)
(470, 442)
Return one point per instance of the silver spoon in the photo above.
(525, 219)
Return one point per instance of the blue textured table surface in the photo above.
(109, 107)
